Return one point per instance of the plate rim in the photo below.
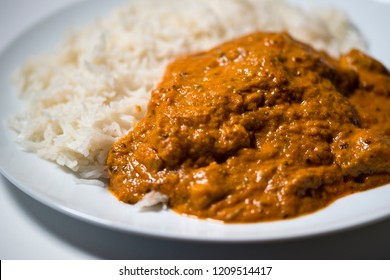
(149, 232)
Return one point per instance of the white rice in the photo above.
(92, 89)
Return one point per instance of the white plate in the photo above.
(57, 188)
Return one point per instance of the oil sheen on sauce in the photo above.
(259, 128)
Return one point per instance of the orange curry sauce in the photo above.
(259, 128)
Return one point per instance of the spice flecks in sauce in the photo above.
(259, 128)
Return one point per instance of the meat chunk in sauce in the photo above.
(259, 128)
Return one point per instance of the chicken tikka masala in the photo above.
(259, 128)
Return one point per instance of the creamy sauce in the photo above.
(259, 128)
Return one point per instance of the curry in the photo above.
(259, 128)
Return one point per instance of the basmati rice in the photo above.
(92, 89)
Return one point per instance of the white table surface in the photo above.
(30, 230)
